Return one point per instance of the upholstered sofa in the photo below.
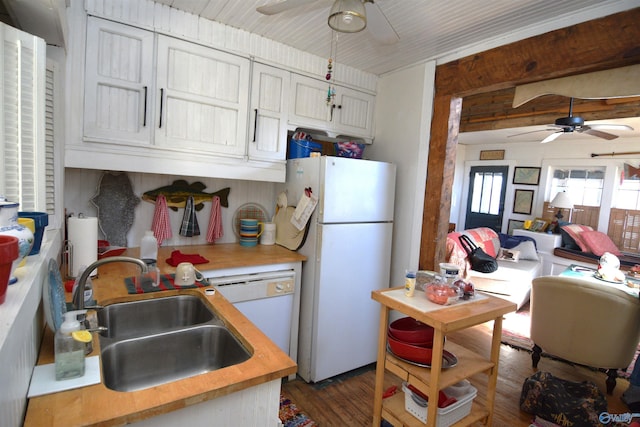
(592, 324)
(512, 279)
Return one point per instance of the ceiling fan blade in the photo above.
(551, 137)
(609, 126)
(281, 6)
(533, 131)
(600, 134)
(378, 25)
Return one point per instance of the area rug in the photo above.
(515, 333)
(291, 416)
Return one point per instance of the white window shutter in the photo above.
(22, 119)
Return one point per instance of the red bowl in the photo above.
(411, 352)
(412, 331)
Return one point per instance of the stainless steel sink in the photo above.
(148, 361)
(156, 341)
(145, 317)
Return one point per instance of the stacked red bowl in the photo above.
(411, 340)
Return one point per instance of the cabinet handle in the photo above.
(144, 118)
(255, 125)
(161, 102)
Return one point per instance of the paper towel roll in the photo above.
(83, 236)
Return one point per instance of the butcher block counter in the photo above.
(98, 405)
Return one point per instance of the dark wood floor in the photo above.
(347, 400)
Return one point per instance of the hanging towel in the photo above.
(161, 225)
(214, 231)
(189, 227)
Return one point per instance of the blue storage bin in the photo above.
(299, 148)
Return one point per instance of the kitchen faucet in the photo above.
(78, 295)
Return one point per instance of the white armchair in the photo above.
(586, 323)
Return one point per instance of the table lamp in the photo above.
(562, 201)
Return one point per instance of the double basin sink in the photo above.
(156, 341)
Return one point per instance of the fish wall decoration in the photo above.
(178, 192)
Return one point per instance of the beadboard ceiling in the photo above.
(427, 28)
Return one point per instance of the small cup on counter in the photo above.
(250, 230)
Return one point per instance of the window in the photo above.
(624, 219)
(22, 150)
(628, 192)
(584, 186)
(486, 196)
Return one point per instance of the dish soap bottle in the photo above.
(149, 247)
(69, 353)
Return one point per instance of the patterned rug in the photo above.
(291, 416)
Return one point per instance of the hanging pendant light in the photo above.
(348, 16)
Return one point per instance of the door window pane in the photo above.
(486, 193)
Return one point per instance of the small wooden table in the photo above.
(444, 319)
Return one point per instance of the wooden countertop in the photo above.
(97, 405)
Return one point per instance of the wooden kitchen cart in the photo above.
(444, 319)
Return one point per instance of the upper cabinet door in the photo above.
(309, 106)
(202, 98)
(118, 83)
(269, 108)
(350, 112)
(353, 112)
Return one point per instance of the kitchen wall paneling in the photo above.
(81, 186)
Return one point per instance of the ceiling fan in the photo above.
(576, 124)
(346, 16)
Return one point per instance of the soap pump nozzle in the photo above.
(71, 322)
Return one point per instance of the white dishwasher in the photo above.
(267, 299)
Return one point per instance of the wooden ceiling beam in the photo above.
(492, 110)
(600, 44)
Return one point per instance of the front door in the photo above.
(485, 206)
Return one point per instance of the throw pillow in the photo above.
(599, 243)
(574, 230)
(527, 250)
(486, 238)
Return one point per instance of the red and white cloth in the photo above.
(161, 225)
(214, 230)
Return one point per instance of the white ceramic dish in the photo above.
(53, 298)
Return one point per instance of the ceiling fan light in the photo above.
(347, 16)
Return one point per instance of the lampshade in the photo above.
(562, 201)
(348, 16)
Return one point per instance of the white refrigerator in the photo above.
(348, 249)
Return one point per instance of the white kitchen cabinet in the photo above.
(119, 82)
(350, 113)
(202, 98)
(269, 108)
(158, 104)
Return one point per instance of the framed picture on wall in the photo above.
(526, 176)
(514, 224)
(523, 201)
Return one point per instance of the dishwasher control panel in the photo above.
(279, 287)
(255, 286)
